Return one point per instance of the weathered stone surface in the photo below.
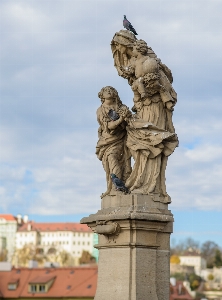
(134, 247)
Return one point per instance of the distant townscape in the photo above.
(62, 244)
(58, 261)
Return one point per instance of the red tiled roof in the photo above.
(79, 282)
(7, 217)
(42, 279)
(46, 227)
(69, 282)
(13, 280)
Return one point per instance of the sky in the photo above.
(55, 56)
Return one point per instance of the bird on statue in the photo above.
(113, 115)
(119, 184)
(128, 25)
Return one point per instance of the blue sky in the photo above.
(55, 56)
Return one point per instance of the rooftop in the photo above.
(68, 282)
(7, 217)
(48, 227)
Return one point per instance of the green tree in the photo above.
(194, 284)
(179, 276)
(195, 281)
(210, 277)
(218, 259)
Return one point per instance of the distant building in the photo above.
(71, 237)
(8, 228)
(195, 260)
(51, 283)
(176, 268)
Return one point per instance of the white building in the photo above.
(8, 228)
(71, 237)
(195, 260)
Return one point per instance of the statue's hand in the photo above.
(124, 112)
(169, 105)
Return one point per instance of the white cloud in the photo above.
(204, 153)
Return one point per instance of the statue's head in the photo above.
(141, 46)
(109, 91)
(124, 38)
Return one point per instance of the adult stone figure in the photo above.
(154, 99)
(111, 147)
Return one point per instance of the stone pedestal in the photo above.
(134, 247)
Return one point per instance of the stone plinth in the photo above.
(134, 247)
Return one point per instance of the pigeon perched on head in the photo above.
(113, 115)
(119, 184)
(128, 25)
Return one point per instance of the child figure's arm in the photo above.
(113, 124)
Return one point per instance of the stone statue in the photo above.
(111, 147)
(134, 223)
(151, 135)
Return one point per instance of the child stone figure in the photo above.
(111, 147)
(147, 80)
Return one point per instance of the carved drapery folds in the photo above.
(148, 134)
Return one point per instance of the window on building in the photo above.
(74, 243)
(33, 288)
(88, 243)
(42, 288)
(79, 234)
(83, 243)
(74, 234)
(67, 242)
(78, 243)
(83, 234)
(88, 234)
(12, 286)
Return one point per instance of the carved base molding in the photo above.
(134, 248)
